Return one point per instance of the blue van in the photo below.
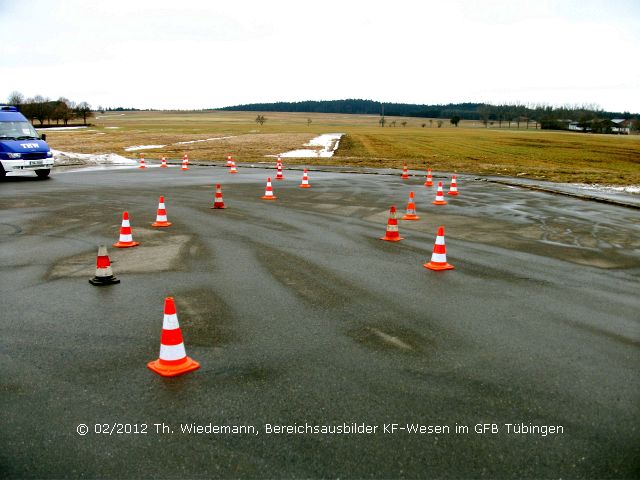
(21, 148)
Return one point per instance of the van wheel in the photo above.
(2, 172)
(43, 173)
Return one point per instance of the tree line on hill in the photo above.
(547, 117)
(43, 109)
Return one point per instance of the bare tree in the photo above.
(40, 108)
(84, 110)
(260, 119)
(430, 123)
(64, 110)
(440, 123)
(382, 121)
(403, 123)
(16, 98)
(308, 122)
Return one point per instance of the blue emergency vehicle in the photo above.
(21, 148)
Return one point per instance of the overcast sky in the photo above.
(201, 54)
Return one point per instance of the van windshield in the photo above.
(17, 131)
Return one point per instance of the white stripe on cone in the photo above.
(439, 257)
(172, 352)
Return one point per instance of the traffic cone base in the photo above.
(271, 197)
(391, 239)
(439, 202)
(161, 224)
(410, 216)
(452, 193)
(121, 244)
(166, 370)
(305, 186)
(438, 266)
(100, 281)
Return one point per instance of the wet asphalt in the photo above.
(298, 314)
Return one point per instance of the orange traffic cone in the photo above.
(126, 239)
(185, 158)
(305, 180)
(104, 275)
(439, 255)
(164, 163)
(392, 234)
(405, 173)
(279, 175)
(173, 358)
(229, 160)
(268, 193)
(411, 209)
(142, 164)
(429, 182)
(439, 196)
(218, 202)
(161, 217)
(233, 168)
(453, 189)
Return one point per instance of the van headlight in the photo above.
(49, 154)
(14, 155)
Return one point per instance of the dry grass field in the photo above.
(470, 148)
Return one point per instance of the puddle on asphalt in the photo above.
(572, 241)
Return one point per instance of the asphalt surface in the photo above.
(299, 314)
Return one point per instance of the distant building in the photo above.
(575, 126)
(622, 126)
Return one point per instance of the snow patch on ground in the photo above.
(62, 128)
(134, 148)
(111, 127)
(328, 142)
(142, 147)
(204, 140)
(71, 158)
(635, 189)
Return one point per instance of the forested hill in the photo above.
(364, 107)
(545, 114)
